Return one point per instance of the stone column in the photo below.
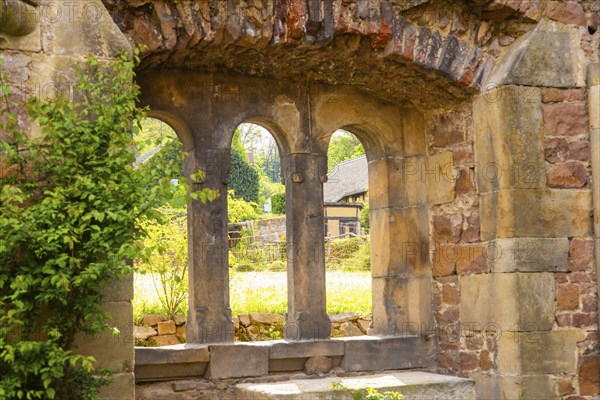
(209, 315)
(306, 318)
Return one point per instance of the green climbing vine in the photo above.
(70, 210)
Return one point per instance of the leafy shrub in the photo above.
(166, 258)
(68, 223)
(278, 203)
(71, 202)
(364, 217)
(240, 210)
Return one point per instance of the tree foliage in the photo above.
(243, 178)
(70, 207)
(343, 146)
(278, 203)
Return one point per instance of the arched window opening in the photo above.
(347, 244)
(257, 235)
(160, 301)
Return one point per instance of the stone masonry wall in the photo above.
(40, 45)
(516, 304)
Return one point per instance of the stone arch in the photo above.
(181, 128)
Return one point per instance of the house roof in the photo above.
(347, 178)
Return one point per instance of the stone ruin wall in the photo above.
(539, 208)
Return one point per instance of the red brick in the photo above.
(474, 342)
(468, 361)
(465, 181)
(565, 387)
(567, 297)
(589, 375)
(589, 303)
(569, 12)
(472, 232)
(484, 360)
(565, 119)
(581, 253)
(553, 95)
(447, 228)
(448, 360)
(556, 150)
(579, 150)
(448, 345)
(450, 295)
(567, 175)
(471, 259)
(584, 319)
(564, 320)
(579, 276)
(463, 155)
(449, 316)
(448, 129)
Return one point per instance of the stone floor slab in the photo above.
(414, 385)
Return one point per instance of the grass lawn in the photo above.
(267, 292)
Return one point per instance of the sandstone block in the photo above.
(536, 213)
(225, 361)
(317, 365)
(244, 319)
(447, 129)
(514, 387)
(594, 102)
(369, 353)
(143, 332)
(122, 387)
(567, 175)
(72, 35)
(183, 386)
(179, 320)
(581, 253)
(552, 95)
(152, 320)
(444, 259)
(112, 351)
(349, 329)
(546, 49)
(396, 303)
(339, 318)
(530, 353)
(509, 139)
(567, 296)
(568, 12)
(119, 290)
(439, 176)
(589, 375)
(472, 259)
(530, 305)
(266, 319)
(179, 354)
(304, 349)
(167, 328)
(528, 255)
(166, 340)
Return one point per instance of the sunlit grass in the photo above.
(266, 292)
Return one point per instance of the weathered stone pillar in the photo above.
(535, 211)
(209, 315)
(306, 318)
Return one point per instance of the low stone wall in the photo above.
(158, 331)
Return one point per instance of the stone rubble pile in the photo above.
(157, 330)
